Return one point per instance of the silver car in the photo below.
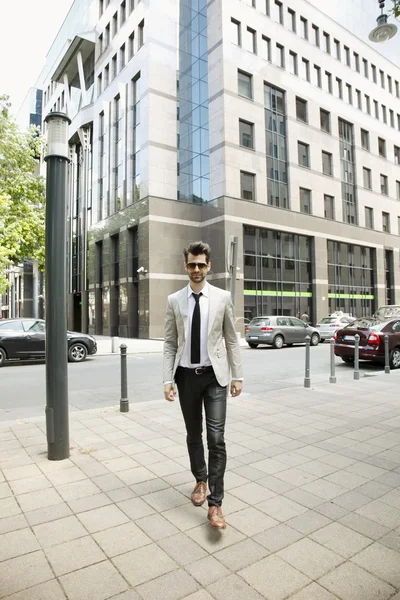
(278, 331)
(328, 326)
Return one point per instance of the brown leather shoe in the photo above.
(199, 493)
(216, 517)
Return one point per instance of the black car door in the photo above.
(35, 338)
(12, 337)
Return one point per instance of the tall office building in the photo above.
(268, 121)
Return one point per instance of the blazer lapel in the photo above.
(183, 308)
(212, 307)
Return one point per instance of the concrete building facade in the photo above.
(261, 120)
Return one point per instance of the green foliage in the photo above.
(395, 9)
(22, 197)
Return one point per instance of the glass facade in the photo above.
(347, 172)
(277, 273)
(118, 174)
(351, 278)
(275, 132)
(136, 92)
(102, 213)
(193, 178)
(76, 216)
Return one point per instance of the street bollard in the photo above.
(124, 402)
(307, 380)
(332, 378)
(387, 361)
(114, 345)
(357, 357)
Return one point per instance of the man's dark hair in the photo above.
(197, 248)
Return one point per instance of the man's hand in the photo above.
(236, 388)
(169, 392)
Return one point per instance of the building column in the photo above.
(320, 283)
(380, 281)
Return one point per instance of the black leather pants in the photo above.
(193, 391)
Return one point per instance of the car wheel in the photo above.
(77, 352)
(3, 357)
(395, 358)
(347, 359)
(253, 345)
(314, 339)
(278, 342)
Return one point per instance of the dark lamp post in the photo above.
(383, 31)
(57, 426)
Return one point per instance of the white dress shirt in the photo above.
(204, 304)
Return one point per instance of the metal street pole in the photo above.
(57, 426)
(234, 260)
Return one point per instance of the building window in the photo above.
(245, 85)
(382, 78)
(337, 49)
(237, 32)
(359, 101)
(365, 65)
(115, 24)
(278, 11)
(122, 57)
(325, 120)
(367, 178)
(317, 75)
(114, 67)
(136, 142)
(391, 116)
(280, 56)
(396, 150)
(122, 13)
(305, 201)
(102, 207)
(247, 186)
(327, 167)
(107, 36)
(384, 184)
(356, 62)
(131, 45)
(106, 76)
(292, 20)
(384, 113)
(398, 190)
(382, 147)
(305, 71)
(327, 42)
(304, 28)
(397, 88)
(101, 41)
(365, 139)
(369, 217)
(339, 86)
(315, 34)
(141, 34)
(347, 169)
(385, 222)
(252, 40)
(276, 147)
(266, 48)
(118, 174)
(246, 134)
(131, 5)
(349, 93)
(101, 7)
(301, 110)
(347, 55)
(99, 84)
(303, 154)
(328, 82)
(373, 71)
(293, 63)
(376, 109)
(329, 207)
(367, 104)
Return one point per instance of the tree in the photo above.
(22, 198)
(396, 9)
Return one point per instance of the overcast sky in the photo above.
(27, 30)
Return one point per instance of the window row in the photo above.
(103, 4)
(111, 30)
(314, 74)
(119, 60)
(326, 42)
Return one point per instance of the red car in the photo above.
(372, 333)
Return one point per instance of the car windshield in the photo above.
(260, 322)
(327, 320)
(367, 323)
(385, 312)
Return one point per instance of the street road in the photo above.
(96, 382)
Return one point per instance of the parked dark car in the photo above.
(24, 339)
(277, 331)
(372, 333)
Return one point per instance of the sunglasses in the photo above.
(192, 265)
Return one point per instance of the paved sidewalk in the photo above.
(312, 503)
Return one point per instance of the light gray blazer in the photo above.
(221, 327)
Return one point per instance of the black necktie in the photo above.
(195, 338)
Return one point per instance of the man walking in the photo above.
(199, 318)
